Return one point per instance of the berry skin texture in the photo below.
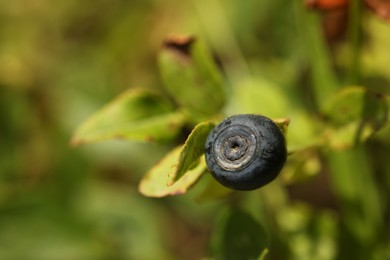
(245, 152)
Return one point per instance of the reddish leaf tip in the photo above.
(179, 44)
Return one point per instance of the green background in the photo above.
(61, 61)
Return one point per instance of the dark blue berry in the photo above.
(245, 152)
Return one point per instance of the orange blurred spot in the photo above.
(380, 8)
(325, 4)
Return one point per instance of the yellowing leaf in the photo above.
(193, 149)
(154, 183)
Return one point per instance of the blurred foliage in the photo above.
(327, 71)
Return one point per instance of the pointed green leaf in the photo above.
(237, 235)
(191, 76)
(135, 115)
(192, 150)
(154, 183)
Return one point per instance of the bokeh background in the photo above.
(60, 61)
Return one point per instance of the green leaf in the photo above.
(355, 114)
(237, 235)
(154, 183)
(357, 103)
(191, 77)
(135, 115)
(192, 150)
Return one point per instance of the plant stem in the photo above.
(324, 80)
(355, 41)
